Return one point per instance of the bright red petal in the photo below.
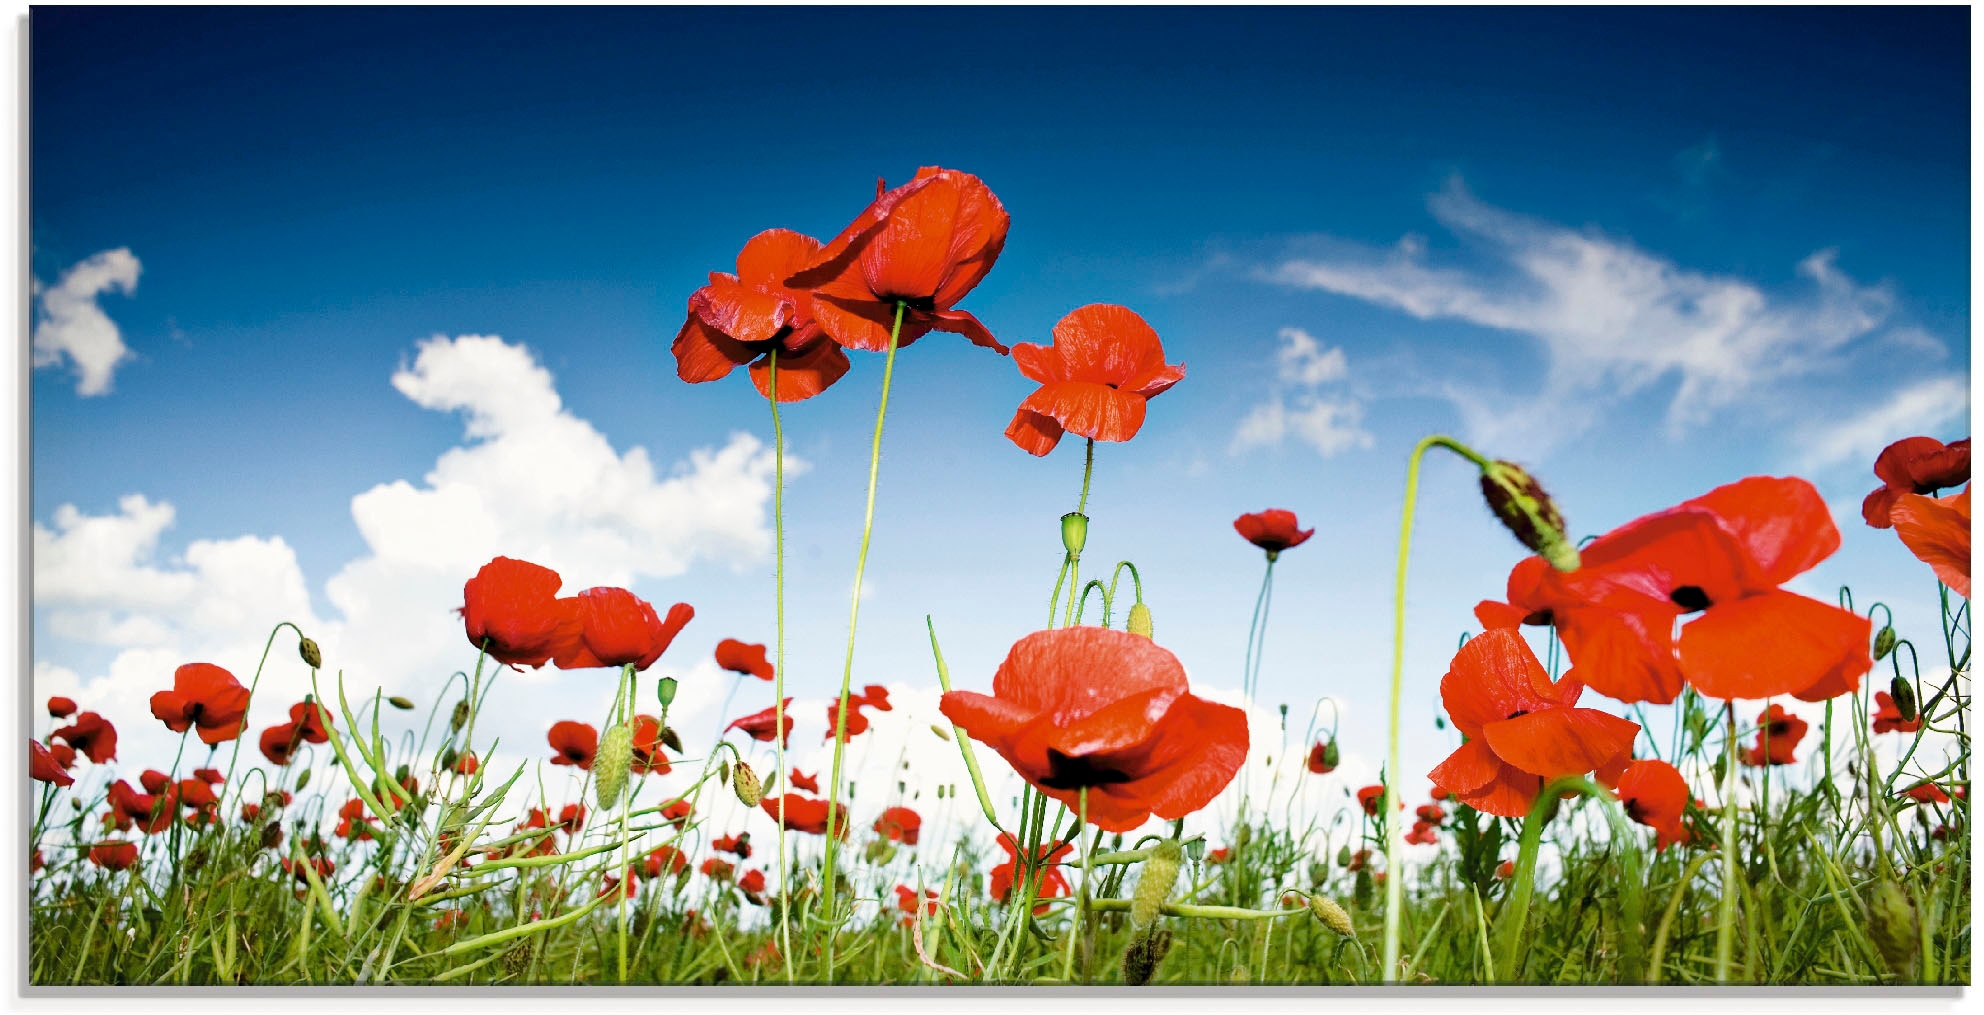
(744, 313)
(1071, 672)
(1106, 344)
(1562, 741)
(772, 256)
(1091, 410)
(1772, 644)
(1038, 363)
(1937, 531)
(803, 375)
(1035, 433)
(703, 353)
(1783, 524)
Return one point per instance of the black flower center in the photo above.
(1518, 713)
(1690, 598)
(1541, 618)
(1069, 772)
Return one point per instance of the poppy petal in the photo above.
(1561, 741)
(746, 314)
(1624, 655)
(1492, 614)
(1471, 767)
(803, 375)
(1091, 410)
(703, 353)
(1035, 433)
(985, 717)
(1200, 746)
(1875, 509)
(1057, 671)
(961, 322)
(1782, 523)
(863, 324)
(1772, 644)
(1103, 343)
(774, 255)
(1038, 363)
(1937, 531)
(1495, 676)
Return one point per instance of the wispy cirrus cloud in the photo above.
(1918, 408)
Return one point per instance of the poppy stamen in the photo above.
(1691, 598)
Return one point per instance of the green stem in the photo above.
(1081, 903)
(828, 886)
(1515, 912)
(1725, 923)
(963, 741)
(778, 668)
(1074, 564)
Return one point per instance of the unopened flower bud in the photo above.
(1903, 694)
(1521, 503)
(1332, 915)
(403, 704)
(302, 780)
(1243, 836)
(671, 739)
(1141, 959)
(311, 654)
(1893, 924)
(747, 785)
(271, 835)
(1154, 886)
(880, 851)
(460, 716)
(609, 766)
(1074, 533)
(1343, 855)
(1363, 888)
(942, 733)
(664, 689)
(1884, 642)
(1139, 620)
(1331, 755)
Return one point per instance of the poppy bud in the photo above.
(880, 851)
(1154, 885)
(942, 733)
(302, 780)
(1139, 620)
(747, 785)
(671, 739)
(1074, 533)
(1342, 856)
(271, 835)
(403, 704)
(1894, 925)
(1331, 755)
(311, 653)
(664, 689)
(402, 774)
(1141, 959)
(609, 766)
(723, 770)
(1242, 837)
(1332, 915)
(449, 757)
(460, 717)
(1884, 642)
(1903, 693)
(1363, 889)
(1526, 510)
(1239, 975)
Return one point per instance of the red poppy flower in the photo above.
(1423, 834)
(210, 776)
(626, 882)
(1107, 711)
(752, 883)
(803, 814)
(91, 734)
(1368, 798)
(64, 755)
(739, 657)
(466, 764)
(571, 819)
(876, 696)
(809, 783)
(924, 244)
(1521, 729)
(1105, 363)
(1431, 813)
(354, 821)
(312, 721)
(1273, 530)
(154, 781)
(664, 860)
(1358, 861)
(1052, 883)
(1937, 531)
(739, 844)
(1608, 775)
(115, 856)
(900, 824)
(763, 725)
(1655, 795)
(619, 628)
(1918, 465)
(452, 919)
(908, 901)
(1506, 869)
(717, 869)
(42, 766)
(677, 813)
(1887, 718)
(35, 862)
(152, 812)
(743, 318)
(1323, 757)
(1442, 793)
(514, 606)
(1926, 792)
(1778, 733)
(647, 755)
(1223, 854)
(61, 708)
(279, 743)
(251, 813)
(196, 793)
(206, 696)
(573, 743)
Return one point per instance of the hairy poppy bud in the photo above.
(880, 851)
(302, 780)
(1332, 915)
(448, 757)
(747, 785)
(1141, 959)
(1154, 886)
(1884, 642)
(1139, 620)
(1893, 924)
(1363, 889)
(609, 765)
(403, 704)
(1526, 510)
(196, 859)
(664, 689)
(1074, 533)
(460, 717)
(671, 739)
(311, 653)
(1903, 694)
(942, 733)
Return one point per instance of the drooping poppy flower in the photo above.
(1887, 718)
(876, 696)
(1431, 813)
(900, 824)
(61, 708)
(1052, 883)
(1358, 861)
(647, 755)
(279, 743)
(572, 819)
(1521, 729)
(115, 856)
(1778, 733)
(804, 814)
(1104, 365)
(1423, 834)
(1937, 531)
(619, 628)
(924, 245)
(809, 783)
(1926, 792)
(312, 721)
(739, 844)
(1089, 708)
(91, 734)
(42, 766)
(210, 776)
(664, 860)
(744, 318)
(716, 869)
(1323, 756)
(678, 813)
(152, 812)
(762, 726)
(908, 901)
(573, 743)
(1368, 798)
(513, 605)
(740, 657)
(1655, 795)
(857, 723)
(206, 696)
(1442, 793)
(1917, 465)
(1273, 530)
(354, 820)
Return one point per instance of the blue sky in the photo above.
(1645, 251)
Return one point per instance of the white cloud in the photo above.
(1304, 361)
(1611, 319)
(71, 326)
(1297, 409)
(1916, 409)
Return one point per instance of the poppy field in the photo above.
(1628, 799)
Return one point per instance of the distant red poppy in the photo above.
(909, 902)
(664, 860)
(279, 743)
(1887, 718)
(1423, 834)
(451, 919)
(900, 824)
(115, 856)
(1223, 854)
(572, 818)
(1655, 795)
(1368, 798)
(719, 870)
(1107, 711)
(744, 318)
(752, 883)
(210, 776)
(1926, 792)
(809, 783)
(1914, 465)
(42, 766)
(1505, 870)
(196, 793)
(1104, 365)
(1778, 733)
(739, 845)
(573, 743)
(1442, 793)
(1431, 813)
(1052, 883)
(619, 628)
(1323, 757)
(466, 764)
(91, 734)
(129, 807)
(206, 696)
(647, 754)
(763, 725)
(61, 708)
(354, 820)
(627, 883)
(1358, 861)
(312, 721)
(1937, 531)
(876, 696)
(35, 863)
(1521, 728)
(1273, 530)
(678, 813)
(251, 813)
(804, 814)
(924, 244)
(514, 606)
(739, 657)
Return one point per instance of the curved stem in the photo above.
(828, 886)
(1653, 971)
(778, 668)
(1515, 912)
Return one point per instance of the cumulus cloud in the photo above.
(1609, 318)
(70, 326)
(1916, 409)
(1299, 408)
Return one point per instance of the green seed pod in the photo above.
(1903, 694)
(1894, 925)
(609, 766)
(1141, 959)
(448, 757)
(1154, 885)
(403, 704)
(1884, 642)
(311, 654)
(1332, 915)
(1331, 755)
(671, 739)
(664, 689)
(1527, 510)
(1074, 533)
(880, 851)
(747, 785)
(1139, 620)
(302, 780)
(460, 716)
(723, 770)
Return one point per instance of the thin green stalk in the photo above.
(1074, 561)
(1081, 903)
(778, 668)
(1725, 923)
